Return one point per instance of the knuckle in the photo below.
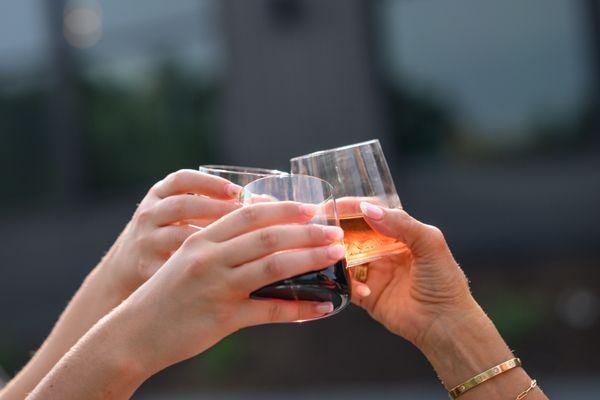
(315, 233)
(268, 239)
(176, 178)
(273, 267)
(177, 206)
(144, 215)
(196, 266)
(436, 236)
(249, 214)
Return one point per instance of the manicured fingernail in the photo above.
(308, 209)
(333, 233)
(232, 190)
(363, 291)
(324, 308)
(336, 252)
(372, 211)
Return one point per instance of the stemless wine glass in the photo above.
(329, 284)
(358, 173)
(239, 175)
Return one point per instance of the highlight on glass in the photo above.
(239, 175)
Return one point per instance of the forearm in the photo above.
(100, 366)
(466, 345)
(94, 299)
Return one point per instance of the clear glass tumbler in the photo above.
(329, 284)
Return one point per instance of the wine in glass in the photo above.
(358, 172)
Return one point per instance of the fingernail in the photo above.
(372, 211)
(324, 308)
(232, 190)
(363, 291)
(308, 209)
(336, 252)
(333, 233)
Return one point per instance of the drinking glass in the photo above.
(329, 284)
(239, 175)
(358, 173)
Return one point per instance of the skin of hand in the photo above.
(162, 222)
(197, 298)
(158, 227)
(411, 291)
(423, 296)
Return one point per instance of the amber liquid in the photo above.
(362, 243)
(329, 284)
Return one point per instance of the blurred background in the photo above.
(488, 111)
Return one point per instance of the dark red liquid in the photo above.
(329, 284)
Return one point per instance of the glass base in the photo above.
(330, 284)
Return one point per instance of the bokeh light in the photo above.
(82, 23)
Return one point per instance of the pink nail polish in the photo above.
(324, 308)
(372, 211)
(232, 190)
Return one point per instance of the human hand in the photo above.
(418, 289)
(162, 222)
(202, 293)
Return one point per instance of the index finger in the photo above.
(256, 216)
(196, 182)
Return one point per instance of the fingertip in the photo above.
(372, 211)
(232, 190)
(336, 252)
(362, 290)
(324, 308)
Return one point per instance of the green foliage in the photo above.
(134, 136)
(131, 135)
(517, 314)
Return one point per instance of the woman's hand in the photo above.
(422, 295)
(202, 293)
(198, 297)
(158, 228)
(412, 291)
(161, 224)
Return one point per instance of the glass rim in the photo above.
(341, 148)
(236, 169)
(328, 185)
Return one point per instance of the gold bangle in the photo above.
(532, 386)
(484, 376)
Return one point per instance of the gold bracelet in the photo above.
(532, 386)
(484, 376)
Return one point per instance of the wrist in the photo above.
(463, 343)
(126, 354)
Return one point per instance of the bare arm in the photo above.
(154, 233)
(423, 296)
(201, 295)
